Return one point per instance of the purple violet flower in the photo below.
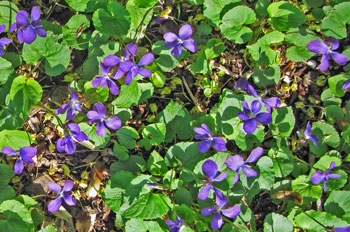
(342, 229)
(130, 68)
(219, 210)
(327, 51)
(175, 226)
(307, 133)
(346, 85)
(244, 85)
(251, 116)
(67, 144)
(26, 154)
(210, 169)
(64, 194)
(28, 29)
(3, 41)
(98, 115)
(320, 176)
(209, 140)
(236, 163)
(71, 106)
(183, 40)
(105, 80)
(270, 103)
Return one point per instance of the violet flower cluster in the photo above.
(176, 42)
(114, 68)
(28, 28)
(327, 50)
(26, 154)
(64, 194)
(208, 139)
(210, 170)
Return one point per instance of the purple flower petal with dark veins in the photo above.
(342, 229)
(26, 154)
(28, 29)
(208, 139)
(346, 85)
(64, 194)
(251, 116)
(327, 51)
(236, 163)
(320, 176)
(183, 40)
(175, 226)
(309, 136)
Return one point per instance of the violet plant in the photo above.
(137, 100)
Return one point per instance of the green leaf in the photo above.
(139, 225)
(327, 135)
(213, 9)
(246, 141)
(149, 206)
(261, 8)
(299, 38)
(284, 15)
(200, 65)
(141, 13)
(335, 84)
(49, 228)
(25, 93)
(276, 222)
(183, 196)
(328, 98)
(283, 121)
(127, 137)
(6, 173)
(335, 23)
(76, 24)
(86, 6)
(133, 94)
(120, 152)
(227, 109)
(7, 193)
(145, 3)
(283, 162)
(156, 164)
(266, 173)
(266, 76)
(6, 69)
(153, 135)
(114, 20)
(177, 120)
(305, 222)
(232, 26)
(56, 55)
(166, 61)
(261, 51)
(134, 164)
(8, 11)
(303, 186)
(338, 204)
(14, 139)
(113, 193)
(94, 95)
(186, 152)
(334, 113)
(90, 131)
(213, 48)
(17, 217)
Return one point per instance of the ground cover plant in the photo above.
(196, 115)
